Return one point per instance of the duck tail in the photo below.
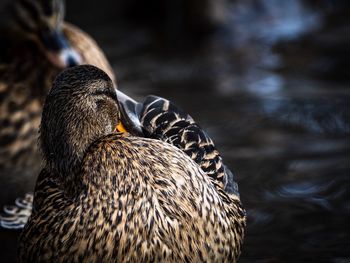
(162, 120)
(16, 216)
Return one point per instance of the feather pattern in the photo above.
(162, 120)
(127, 198)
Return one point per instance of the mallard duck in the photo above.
(35, 45)
(107, 193)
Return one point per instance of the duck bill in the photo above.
(130, 114)
(58, 50)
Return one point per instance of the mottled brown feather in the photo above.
(134, 205)
(121, 198)
(25, 78)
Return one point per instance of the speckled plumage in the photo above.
(26, 75)
(116, 197)
(161, 119)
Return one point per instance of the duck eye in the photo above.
(106, 94)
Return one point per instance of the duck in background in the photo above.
(35, 45)
(108, 195)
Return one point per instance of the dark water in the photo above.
(272, 89)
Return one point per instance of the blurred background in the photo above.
(269, 81)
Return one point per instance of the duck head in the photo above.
(42, 20)
(81, 107)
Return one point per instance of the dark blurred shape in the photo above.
(176, 20)
(325, 52)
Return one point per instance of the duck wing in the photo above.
(161, 119)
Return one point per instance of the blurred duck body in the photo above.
(35, 45)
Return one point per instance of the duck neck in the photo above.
(108, 171)
(68, 178)
(65, 156)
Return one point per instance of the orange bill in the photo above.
(120, 128)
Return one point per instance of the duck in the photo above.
(110, 192)
(35, 45)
